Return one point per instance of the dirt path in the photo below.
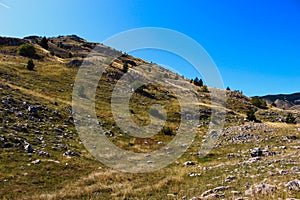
(36, 94)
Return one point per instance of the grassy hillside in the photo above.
(42, 156)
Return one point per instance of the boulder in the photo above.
(28, 148)
(256, 152)
(262, 188)
(293, 185)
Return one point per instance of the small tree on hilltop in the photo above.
(44, 43)
(30, 64)
(196, 81)
(200, 83)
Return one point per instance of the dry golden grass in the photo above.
(86, 178)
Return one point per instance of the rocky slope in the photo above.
(42, 156)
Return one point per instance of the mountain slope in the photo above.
(284, 100)
(42, 156)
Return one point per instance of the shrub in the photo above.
(251, 116)
(52, 53)
(258, 102)
(125, 67)
(204, 88)
(167, 131)
(228, 88)
(290, 119)
(44, 43)
(27, 50)
(30, 64)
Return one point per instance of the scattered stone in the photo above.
(19, 114)
(295, 147)
(221, 188)
(282, 172)
(28, 148)
(55, 161)
(262, 188)
(293, 185)
(234, 192)
(230, 155)
(295, 169)
(110, 133)
(193, 174)
(281, 147)
(36, 161)
(252, 160)
(230, 178)
(43, 153)
(171, 195)
(188, 163)
(70, 153)
(256, 152)
(291, 137)
(207, 192)
(211, 196)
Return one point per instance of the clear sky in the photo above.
(254, 43)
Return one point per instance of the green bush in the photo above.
(204, 89)
(30, 64)
(290, 119)
(27, 50)
(44, 43)
(167, 131)
(258, 102)
(52, 53)
(251, 116)
(125, 67)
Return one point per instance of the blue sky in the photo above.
(254, 43)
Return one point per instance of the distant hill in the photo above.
(285, 101)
